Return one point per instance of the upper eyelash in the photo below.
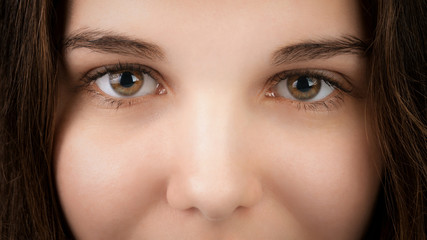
(320, 74)
(116, 68)
(91, 76)
(328, 103)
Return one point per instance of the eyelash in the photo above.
(90, 78)
(329, 103)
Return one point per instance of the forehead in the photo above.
(215, 20)
(242, 34)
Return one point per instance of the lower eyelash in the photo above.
(329, 104)
(109, 102)
(89, 80)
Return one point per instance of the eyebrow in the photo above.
(322, 49)
(110, 42)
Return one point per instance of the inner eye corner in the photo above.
(160, 89)
(269, 88)
(270, 93)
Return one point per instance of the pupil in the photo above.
(126, 80)
(304, 84)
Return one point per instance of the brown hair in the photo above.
(29, 206)
(397, 94)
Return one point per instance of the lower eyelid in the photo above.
(333, 102)
(103, 100)
(330, 103)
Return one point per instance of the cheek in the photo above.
(106, 181)
(320, 173)
(326, 174)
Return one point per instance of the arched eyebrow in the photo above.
(320, 50)
(110, 42)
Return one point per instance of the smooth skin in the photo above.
(212, 155)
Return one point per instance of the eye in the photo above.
(127, 84)
(303, 88)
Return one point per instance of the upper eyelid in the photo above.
(95, 73)
(311, 72)
(91, 75)
(337, 79)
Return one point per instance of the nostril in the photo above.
(216, 216)
(214, 201)
(218, 206)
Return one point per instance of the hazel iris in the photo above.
(303, 87)
(126, 83)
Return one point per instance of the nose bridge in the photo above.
(214, 179)
(213, 120)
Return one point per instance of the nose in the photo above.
(215, 194)
(216, 175)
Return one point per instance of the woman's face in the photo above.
(215, 120)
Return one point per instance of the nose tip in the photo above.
(216, 199)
